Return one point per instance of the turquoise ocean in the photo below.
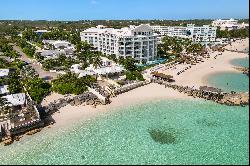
(158, 132)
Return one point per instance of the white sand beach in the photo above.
(239, 45)
(70, 114)
(198, 74)
(195, 76)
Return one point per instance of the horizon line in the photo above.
(117, 19)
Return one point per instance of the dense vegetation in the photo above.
(132, 71)
(6, 49)
(60, 63)
(236, 33)
(172, 46)
(70, 84)
(27, 48)
(35, 86)
(22, 75)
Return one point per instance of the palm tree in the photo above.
(96, 60)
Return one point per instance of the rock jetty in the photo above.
(243, 69)
(211, 93)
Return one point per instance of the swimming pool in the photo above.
(157, 61)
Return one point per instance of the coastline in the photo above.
(196, 76)
(69, 115)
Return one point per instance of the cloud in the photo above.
(93, 2)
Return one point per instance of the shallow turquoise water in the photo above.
(159, 132)
(230, 81)
(194, 132)
(244, 62)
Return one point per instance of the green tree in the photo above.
(70, 84)
(14, 83)
(129, 64)
(37, 88)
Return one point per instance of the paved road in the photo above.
(42, 73)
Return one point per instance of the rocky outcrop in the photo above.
(235, 99)
(243, 69)
(7, 141)
(87, 98)
(31, 132)
(214, 94)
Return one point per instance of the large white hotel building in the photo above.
(204, 34)
(230, 24)
(139, 42)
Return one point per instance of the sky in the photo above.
(71, 10)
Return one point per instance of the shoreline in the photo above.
(197, 75)
(69, 115)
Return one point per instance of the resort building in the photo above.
(139, 42)
(107, 67)
(229, 24)
(176, 31)
(204, 34)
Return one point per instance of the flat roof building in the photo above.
(199, 34)
(139, 42)
(230, 24)
(18, 99)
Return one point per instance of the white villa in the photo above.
(60, 44)
(229, 24)
(107, 67)
(4, 72)
(59, 48)
(139, 42)
(204, 34)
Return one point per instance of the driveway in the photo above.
(42, 73)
